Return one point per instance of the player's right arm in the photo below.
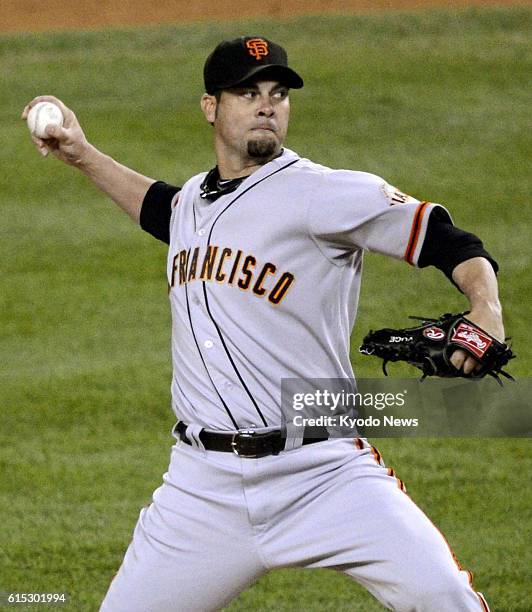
(68, 143)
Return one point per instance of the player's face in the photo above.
(252, 121)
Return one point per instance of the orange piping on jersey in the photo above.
(401, 485)
(359, 444)
(414, 232)
(376, 454)
(481, 598)
(483, 602)
(485, 607)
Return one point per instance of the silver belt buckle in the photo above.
(242, 433)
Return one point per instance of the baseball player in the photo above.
(264, 268)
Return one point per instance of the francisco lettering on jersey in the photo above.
(396, 196)
(225, 265)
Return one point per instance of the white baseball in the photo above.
(42, 115)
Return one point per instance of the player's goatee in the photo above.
(261, 148)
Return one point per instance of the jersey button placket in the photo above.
(194, 287)
(214, 355)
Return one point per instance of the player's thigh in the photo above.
(193, 547)
(412, 567)
(354, 516)
(192, 573)
(391, 547)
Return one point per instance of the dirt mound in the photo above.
(35, 15)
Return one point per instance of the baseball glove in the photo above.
(430, 345)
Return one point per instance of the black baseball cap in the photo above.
(235, 61)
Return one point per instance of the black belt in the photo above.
(248, 442)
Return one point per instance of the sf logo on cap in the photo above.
(257, 47)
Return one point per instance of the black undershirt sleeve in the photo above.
(445, 246)
(157, 209)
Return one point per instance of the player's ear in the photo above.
(208, 106)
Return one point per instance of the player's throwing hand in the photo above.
(68, 143)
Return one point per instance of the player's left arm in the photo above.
(367, 213)
(461, 256)
(476, 279)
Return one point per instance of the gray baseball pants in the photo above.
(219, 522)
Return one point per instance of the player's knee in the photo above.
(449, 591)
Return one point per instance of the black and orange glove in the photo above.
(430, 345)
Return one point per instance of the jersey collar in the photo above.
(212, 188)
(286, 158)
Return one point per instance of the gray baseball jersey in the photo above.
(264, 283)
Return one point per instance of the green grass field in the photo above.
(436, 102)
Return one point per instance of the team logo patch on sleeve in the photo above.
(396, 196)
(434, 333)
(471, 338)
